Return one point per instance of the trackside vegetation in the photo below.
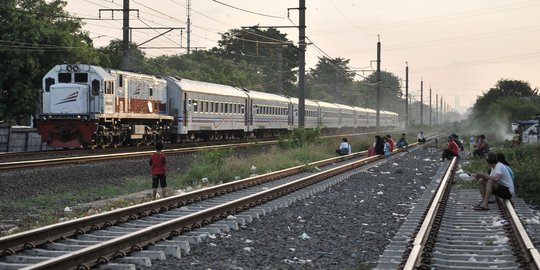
(208, 168)
(524, 162)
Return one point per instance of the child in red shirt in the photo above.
(159, 170)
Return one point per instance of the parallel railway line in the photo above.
(75, 156)
(96, 252)
(441, 232)
(446, 233)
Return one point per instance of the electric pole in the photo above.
(406, 94)
(302, 64)
(378, 82)
(436, 108)
(188, 39)
(430, 109)
(421, 101)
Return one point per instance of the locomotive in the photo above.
(91, 106)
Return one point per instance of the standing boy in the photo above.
(159, 170)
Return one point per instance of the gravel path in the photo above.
(348, 225)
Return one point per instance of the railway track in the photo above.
(112, 156)
(18, 160)
(93, 240)
(444, 232)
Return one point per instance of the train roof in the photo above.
(328, 105)
(266, 96)
(103, 73)
(346, 107)
(309, 102)
(360, 109)
(206, 87)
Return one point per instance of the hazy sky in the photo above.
(460, 48)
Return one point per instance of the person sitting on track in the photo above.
(402, 142)
(344, 148)
(498, 182)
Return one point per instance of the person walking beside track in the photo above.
(158, 163)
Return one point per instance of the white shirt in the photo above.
(506, 178)
(345, 145)
(420, 135)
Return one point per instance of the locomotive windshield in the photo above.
(64, 77)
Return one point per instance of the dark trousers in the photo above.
(447, 154)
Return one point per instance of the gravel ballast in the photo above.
(344, 227)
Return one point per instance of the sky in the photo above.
(458, 48)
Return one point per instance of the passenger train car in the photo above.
(89, 106)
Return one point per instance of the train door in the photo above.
(290, 115)
(248, 114)
(185, 111)
(108, 97)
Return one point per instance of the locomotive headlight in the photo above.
(69, 68)
(75, 68)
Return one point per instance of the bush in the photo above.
(524, 162)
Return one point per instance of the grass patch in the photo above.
(218, 166)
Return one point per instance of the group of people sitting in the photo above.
(381, 145)
(499, 181)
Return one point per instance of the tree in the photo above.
(204, 66)
(111, 56)
(391, 94)
(503, 88)
(508, 101)
(269, 52)
(35, 35)
(331, 80)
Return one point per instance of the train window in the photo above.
(226, 108)
(151, 91)
(48, 82)
(211, 106)
(64, 77)
(120, 80)
(195, 105)
(216, 108)
(221, 107)
(109, 88)
(81, 77)
(242, 109)
(95, 87)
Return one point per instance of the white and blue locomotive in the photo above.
(88, 106)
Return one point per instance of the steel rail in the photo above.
(423, 233)
(530, 251)
(102, 157)
(92, 255)
(28, 239)
(414, 259)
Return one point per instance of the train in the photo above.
(91, 106)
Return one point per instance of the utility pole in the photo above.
(378, 82)
(188, 11)
(442, 117)
(406, 94)
(125, 38)
(421, 101)
(125, 30)
(302, 64)
(430, 109)
(437, 109)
